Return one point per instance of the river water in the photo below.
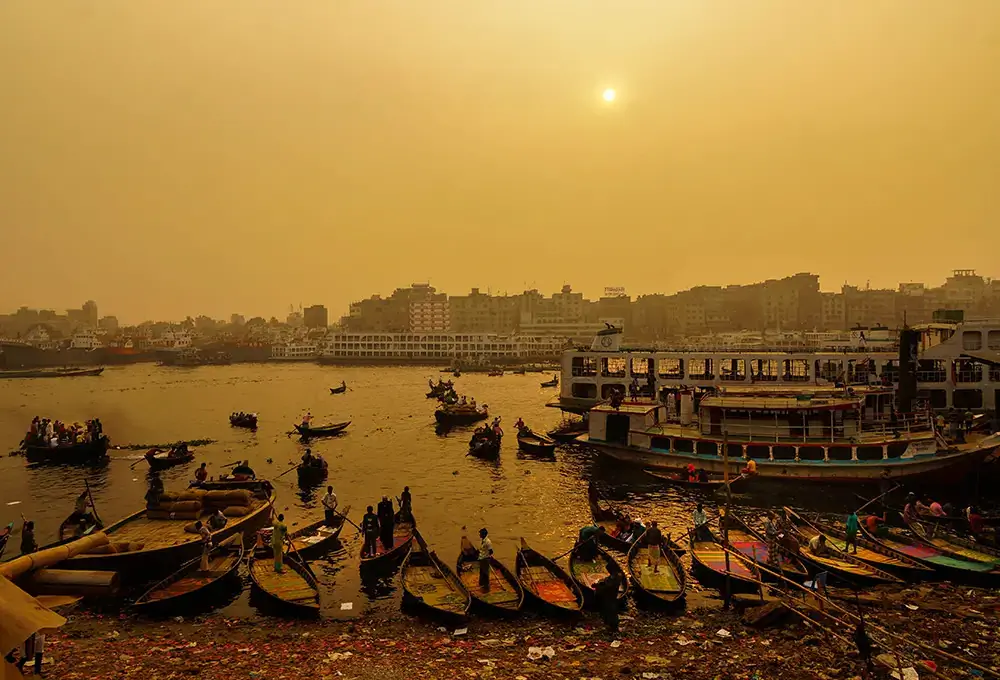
(391, 442)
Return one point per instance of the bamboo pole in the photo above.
(728, 595)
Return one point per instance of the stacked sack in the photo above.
(177, 505)
(233, 503)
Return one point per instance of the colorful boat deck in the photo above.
(863, 553)
(288, 586)
(935, 557)
(428, 583)
(500, 591)
(548, 587)
(713, 556)
(402, 533)
(663, 580)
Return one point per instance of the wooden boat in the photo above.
(5, 536)
(248, 421)
(145, 549)
(53, 373)
(681, 479)
(386, 557)
(747, 541)
(955, 546)
(496, 374)
(871, 552)
(842, 565)
(665, 586)
(429, 583)
(504, 597)
(313, 473)
(322, 430)
(551, 383)
(294, 589)
(314, 539)
(485, 447)
(546, 583)
(68, 454)
(535, 444)
(339, 390)
(460, 415)
(608, 518)
(588, 572)
(73, 526)
(567, 433)
(708, 559)
(903, 541)
(189, 584)
(160, 459)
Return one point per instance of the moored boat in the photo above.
(681, 479)
(955, 546)
(313, 472)
(316, 538)
(68, 454)
(390, 556)
(610, 519)
(294, 589)
(160, 459)
(903, 541)
(496, 373)
(339, 390)
(748, 541)
(567, 433)
(841, 565)
(429, 583)
(546, 583)
(587, 571)
(455, 414)
(666, 584)
(189, 584)
(53, 373)
(708, 558)
(308, 431)
(503, 597)
(535, 444)
(554, 382)
(485, 446)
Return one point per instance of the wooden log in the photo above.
(72, 582)
(52, 556)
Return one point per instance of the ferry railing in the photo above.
(781, 432)
(972, 376)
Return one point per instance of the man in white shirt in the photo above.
(330, 506)
(485, 553)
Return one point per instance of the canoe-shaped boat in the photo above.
(843, 565)
(496, 374)
(69, 454)
(161, 459)
(551, 383)
(75, 526)
(666, 585)
(460, 415)
(294, 590)
(708, 557)
(52, 373)
(681, 479)
(871, 552)
(322, 430)
(535, 444)
(546, 583)
(189, 584)
(747, 541)
(314, 539)
(338, 390)
(313, 473)
(503, 597)
(485, 447)
(387, 557)
(903, 541)
(247, 421)
(608, 518)
(955, 546)
(143, 549)
(587, 572)
(429, 583)
(566, 434)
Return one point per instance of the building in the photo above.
(90, 313)
(109, 324)
(478, 312)
(833, 313)
(316, 317)
(430, 314)
(433, 347)
(867, 307)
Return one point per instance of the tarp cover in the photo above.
(21, 616)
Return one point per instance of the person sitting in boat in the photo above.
(201, 474)
(497, 430)
(244, 471)
(307, 458)
(751, 468)
(472, 402)
(701, 530)
(155, 490)
(462, 402)
(586, 544)
(218, 520)
(818, 546)
(692, 474)
(911, 511)
(703, 476)
(934, 508)
(875, 525)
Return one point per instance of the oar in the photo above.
(234, 464)
(877, 498)
(132, 466)
(347, 519)
(294, 467)
(92, 505)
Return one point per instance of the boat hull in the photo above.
(67, 455)
(536, 446)
(325, 431)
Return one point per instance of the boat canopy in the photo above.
(802, 402)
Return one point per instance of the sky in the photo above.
(187, 157)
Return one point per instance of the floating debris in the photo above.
(143, 447)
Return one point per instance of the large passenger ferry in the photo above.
(958, 367)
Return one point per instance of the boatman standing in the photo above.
(370, 528)
(330, 506)
(485, 553)
(386, 519)
(278, 532)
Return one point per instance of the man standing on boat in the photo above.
(485, 553)
(330, 506)
(278, 533)
(405, 505)
(386, 520)
(370, 529)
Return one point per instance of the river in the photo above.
(391, 443)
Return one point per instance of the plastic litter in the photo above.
(346, 606)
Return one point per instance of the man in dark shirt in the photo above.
(405, 505)
(370, 528)
(386, 521)
(654, 541)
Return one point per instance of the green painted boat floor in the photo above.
(427, 583)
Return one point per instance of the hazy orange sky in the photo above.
(187, 157)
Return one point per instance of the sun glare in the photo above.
(609, 95)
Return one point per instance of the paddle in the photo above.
(879, 497)
(92, 505)
(132, 466)
(294, 467)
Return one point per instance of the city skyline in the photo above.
(166, 160)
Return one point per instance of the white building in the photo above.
(430, 315)
(295, 351)
(85, 338)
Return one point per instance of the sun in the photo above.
(609, 95)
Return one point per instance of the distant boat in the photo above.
(53, 373)
(322, 430)
(339, 390)
(552, 383)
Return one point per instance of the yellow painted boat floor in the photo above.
(164, 533)
(288, 585)
(500, 591)
(435, 590)
(548, 586)
(662, 581)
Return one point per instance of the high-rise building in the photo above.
(316, 317)
(90, 313)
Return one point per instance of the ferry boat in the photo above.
(833, 434)
(958, 366)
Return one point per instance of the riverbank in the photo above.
(703, 643)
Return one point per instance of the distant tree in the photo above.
(257, 321)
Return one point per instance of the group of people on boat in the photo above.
(699, 475)
(54, 433)
(178, 451)
(491, 433)
(241, 417)
(379, 526)
(312, 461)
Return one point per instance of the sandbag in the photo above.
(181, 496)
(228, 497)
(236, 511)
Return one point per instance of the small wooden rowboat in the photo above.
(903, 541)
(294, 590)
(387, 557)
(190, 584)
(503, 597)
(551, 383)
(314, 539)
(868, 551)
(484, 447)
(608, 518)
(587, 572)
(664, 586)
(567, 433)
(842, 565)
(952, 545)
(314, 472)
(681, 479)
(69, 454)
(546, 583)
(322, 430)
(460, 415)
(747, 541)
(429, 583)
(339, 390)
(535, 444)
(708, 558)
(159, 459)
(248, 421)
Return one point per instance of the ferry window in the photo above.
(968, 371)
(795, 370)
(683, 446)
(963, 399)
(613, 367)
(869, 453)
(972, 340)
(611, 388)
(584, 367)
(840, 453)
(784, 452)
(733, 369)
(936, 399)
(993, 339)
(810, 453)
(701, 369)
(765, 370)
(735, 450)
(828, 370)
(707, 448)
(661, 443)
(931, 370)
(758, 451)
(639, 367)
(584, 391)
(897, 449)
(672, 368)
